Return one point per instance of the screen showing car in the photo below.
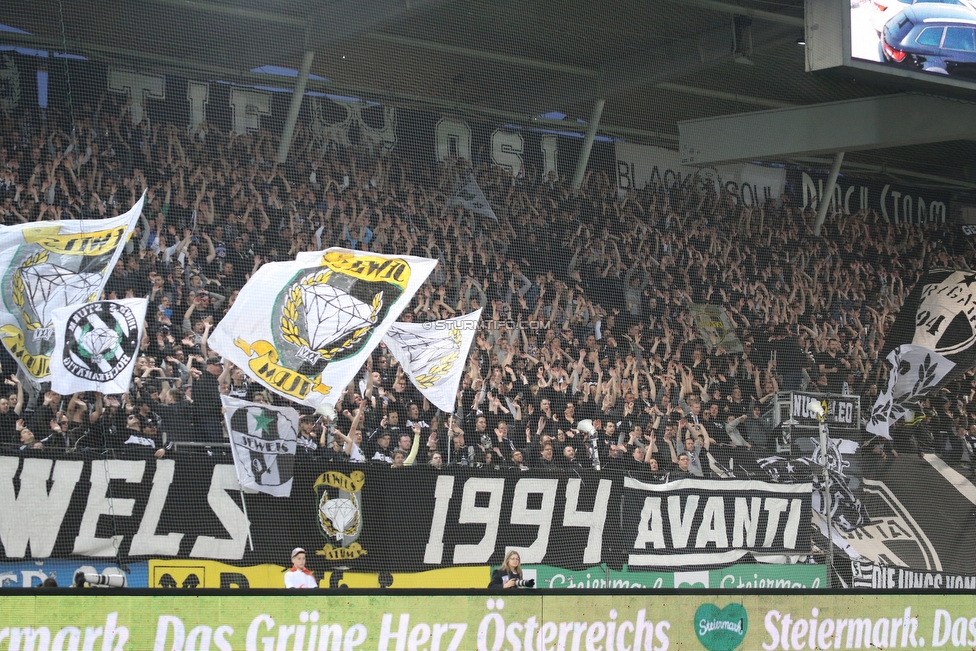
(937, 37)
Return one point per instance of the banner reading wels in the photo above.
(520, 620)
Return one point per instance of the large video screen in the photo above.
(937, 37)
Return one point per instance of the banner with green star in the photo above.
(263, 440)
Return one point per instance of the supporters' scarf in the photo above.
(304, 570)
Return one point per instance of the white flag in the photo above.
(470, 195)
(263, 441)
(915, 372)
(96, 345)
(432, 355)
(303, 329)
(47, 265)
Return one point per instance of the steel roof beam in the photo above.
(709, 48)
(853, 125)
(738, 10)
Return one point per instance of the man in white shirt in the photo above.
(299, 576)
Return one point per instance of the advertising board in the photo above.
(512, 621)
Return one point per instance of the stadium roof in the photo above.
(655, 62)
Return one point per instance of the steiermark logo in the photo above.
(721, 629)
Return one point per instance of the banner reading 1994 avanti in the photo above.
(509, 621)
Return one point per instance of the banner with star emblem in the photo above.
(263, 440)
(50, 265)
(930, 344)
(96, 345)
(323, 314)
(432, 354)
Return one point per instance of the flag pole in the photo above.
(233, 451)
(450, 437)
(250, 540)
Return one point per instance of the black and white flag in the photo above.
(433, 355)
(470, 196)
(847, 512)
(930, 344)
(263, 440)
(96, 345)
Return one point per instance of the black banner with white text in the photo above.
(699, 522)
(363, 516)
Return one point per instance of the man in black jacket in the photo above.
(176, 414)
(206, 402)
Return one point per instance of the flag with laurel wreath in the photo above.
(50, 265)
(304, 328)
(433, 354)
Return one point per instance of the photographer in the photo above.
(509, 575)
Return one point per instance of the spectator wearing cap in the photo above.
(299, 576)
(383, 451)
(141, 440)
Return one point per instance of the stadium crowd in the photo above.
(587, 349)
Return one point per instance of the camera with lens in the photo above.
(524, 583)
(93, 579)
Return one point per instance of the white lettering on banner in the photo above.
(507, 148)
(248, 106)
(231, 516)
(642, 165)
(961, 630)
(550, 154)
(746, 521)
(407, 637)
(839, 411)
(901, 631)
(146, 542)
(266, 634)
(100, 502)
(697, 528)
(541, 517)
(138, 88)
(33, 514)
(434, 551)
(901, 211)
(886, 577)
(198, 95)
(593, 520)
(328, 131)
(199, 637)
(521, 514)
(489, 516)
(114, 637)
(452, 138)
